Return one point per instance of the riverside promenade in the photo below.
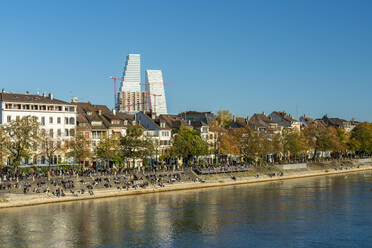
(173, 182)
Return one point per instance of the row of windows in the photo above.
(70, 120)
(67, 132)
(165, 133)
(39, 107)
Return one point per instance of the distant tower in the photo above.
(130, 98)
(155, 86)
(132, 73)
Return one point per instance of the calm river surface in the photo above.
(333, 211)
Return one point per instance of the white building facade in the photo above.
(56, 117)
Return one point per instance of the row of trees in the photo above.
(23, 138)
(292, 144)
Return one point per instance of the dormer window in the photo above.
(89, 113)
(162, 124)
(96, 123)
(115, 122)
(125, 122)
(133, 123)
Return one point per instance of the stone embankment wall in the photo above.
(299, 166)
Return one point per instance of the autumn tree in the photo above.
(293, 143)
(250, 143)
(224, 117)
(49, 146)
(229, 142)
(79, 148)
(4, 143)
(23, 138)
(320, 138)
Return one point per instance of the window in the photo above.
(58, 120)
(43, 121)
(51, 133)
(96, 123)
(59, 132)
(50, 120)
(125, 122)
(72, 132)
(67, 132)
(18, 118)
(9, 118)
(72, 120)
(66, 120)
(72, 109)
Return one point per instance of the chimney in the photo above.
(44, 94)
(27, 92)
(114, 111)
(75, 99)
(50, 96)
(153, 115)
(3, 91)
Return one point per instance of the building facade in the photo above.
(57, 118)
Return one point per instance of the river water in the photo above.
(332, 211)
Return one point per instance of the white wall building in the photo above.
(56, 117)
(155, 89)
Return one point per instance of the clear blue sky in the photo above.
(245, 56)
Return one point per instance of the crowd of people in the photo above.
(73, 182)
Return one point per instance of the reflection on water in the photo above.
(333, 211)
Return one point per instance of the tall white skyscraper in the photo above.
(132, 74)
(155, 89)
(130, 97)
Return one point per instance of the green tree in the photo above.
(187, 143)
(224, 117)
(23, 138)
(134, 145)
(108, 149)
(361, 138)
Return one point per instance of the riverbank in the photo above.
(19, 200)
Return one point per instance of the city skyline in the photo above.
(304, 58)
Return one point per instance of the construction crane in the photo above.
(115, 88)
(154, 95)
(149, 93)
